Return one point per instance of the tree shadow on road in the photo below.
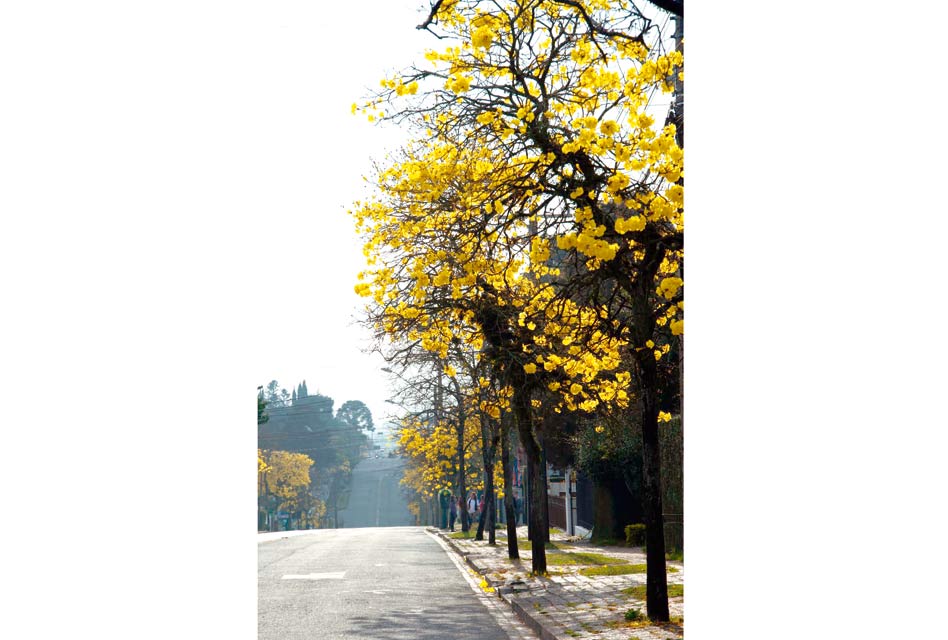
(457, 620)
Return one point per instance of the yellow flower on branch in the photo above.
(635, 223)
(609, 127)
(482, 38)
(459, 84)
(669, 287)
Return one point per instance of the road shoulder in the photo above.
(507, 620)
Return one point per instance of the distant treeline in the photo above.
(306, 423)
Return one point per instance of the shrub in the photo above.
(633, 614)
(635, 535)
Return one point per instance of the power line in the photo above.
(292, 440)
(317, 428)
(300, 450)
(305, 436)
(297, 410)
(336, 426)
(308, 431)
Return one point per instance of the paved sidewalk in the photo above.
(568, 604)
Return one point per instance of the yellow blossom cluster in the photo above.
(431, 452)
(536, 143)
(284, 474)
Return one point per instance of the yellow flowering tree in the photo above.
(433, 385)
(432, 456)
(542, 208)
(285, 476)
(441, 276)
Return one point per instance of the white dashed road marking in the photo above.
(334, 575)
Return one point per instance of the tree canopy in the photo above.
(355, 413)
(537, 216)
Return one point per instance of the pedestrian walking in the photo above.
(454, 510)
(472, 505)
(444, 497)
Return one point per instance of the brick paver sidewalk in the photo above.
(568, 604)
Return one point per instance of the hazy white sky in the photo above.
(315, 60)
(182, 173)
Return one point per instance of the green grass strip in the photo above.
(676, 590)
(613, 570)
(524, 543)
(461, 535)
(578, 558)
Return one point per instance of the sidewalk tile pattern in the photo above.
(567, 604)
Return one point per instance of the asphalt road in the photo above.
(376, 498)
(371, 583)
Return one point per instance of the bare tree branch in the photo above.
(431, 16)
(595, 27)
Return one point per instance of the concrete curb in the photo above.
(527, 617)
(464, 556)
(530, 620)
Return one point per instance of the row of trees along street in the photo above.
(524, 249)
(306, 455)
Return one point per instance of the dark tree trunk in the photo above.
(490, 510)
(538, 499)
(488, 454)
(488, 502)
(545, 503)
(656, 591)
(513, 549)
(462, 480)
(642, 329)
(480, 524)
(524, 414)
(544, 515)
(490, 507)
(486, 517)
(528, 483)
